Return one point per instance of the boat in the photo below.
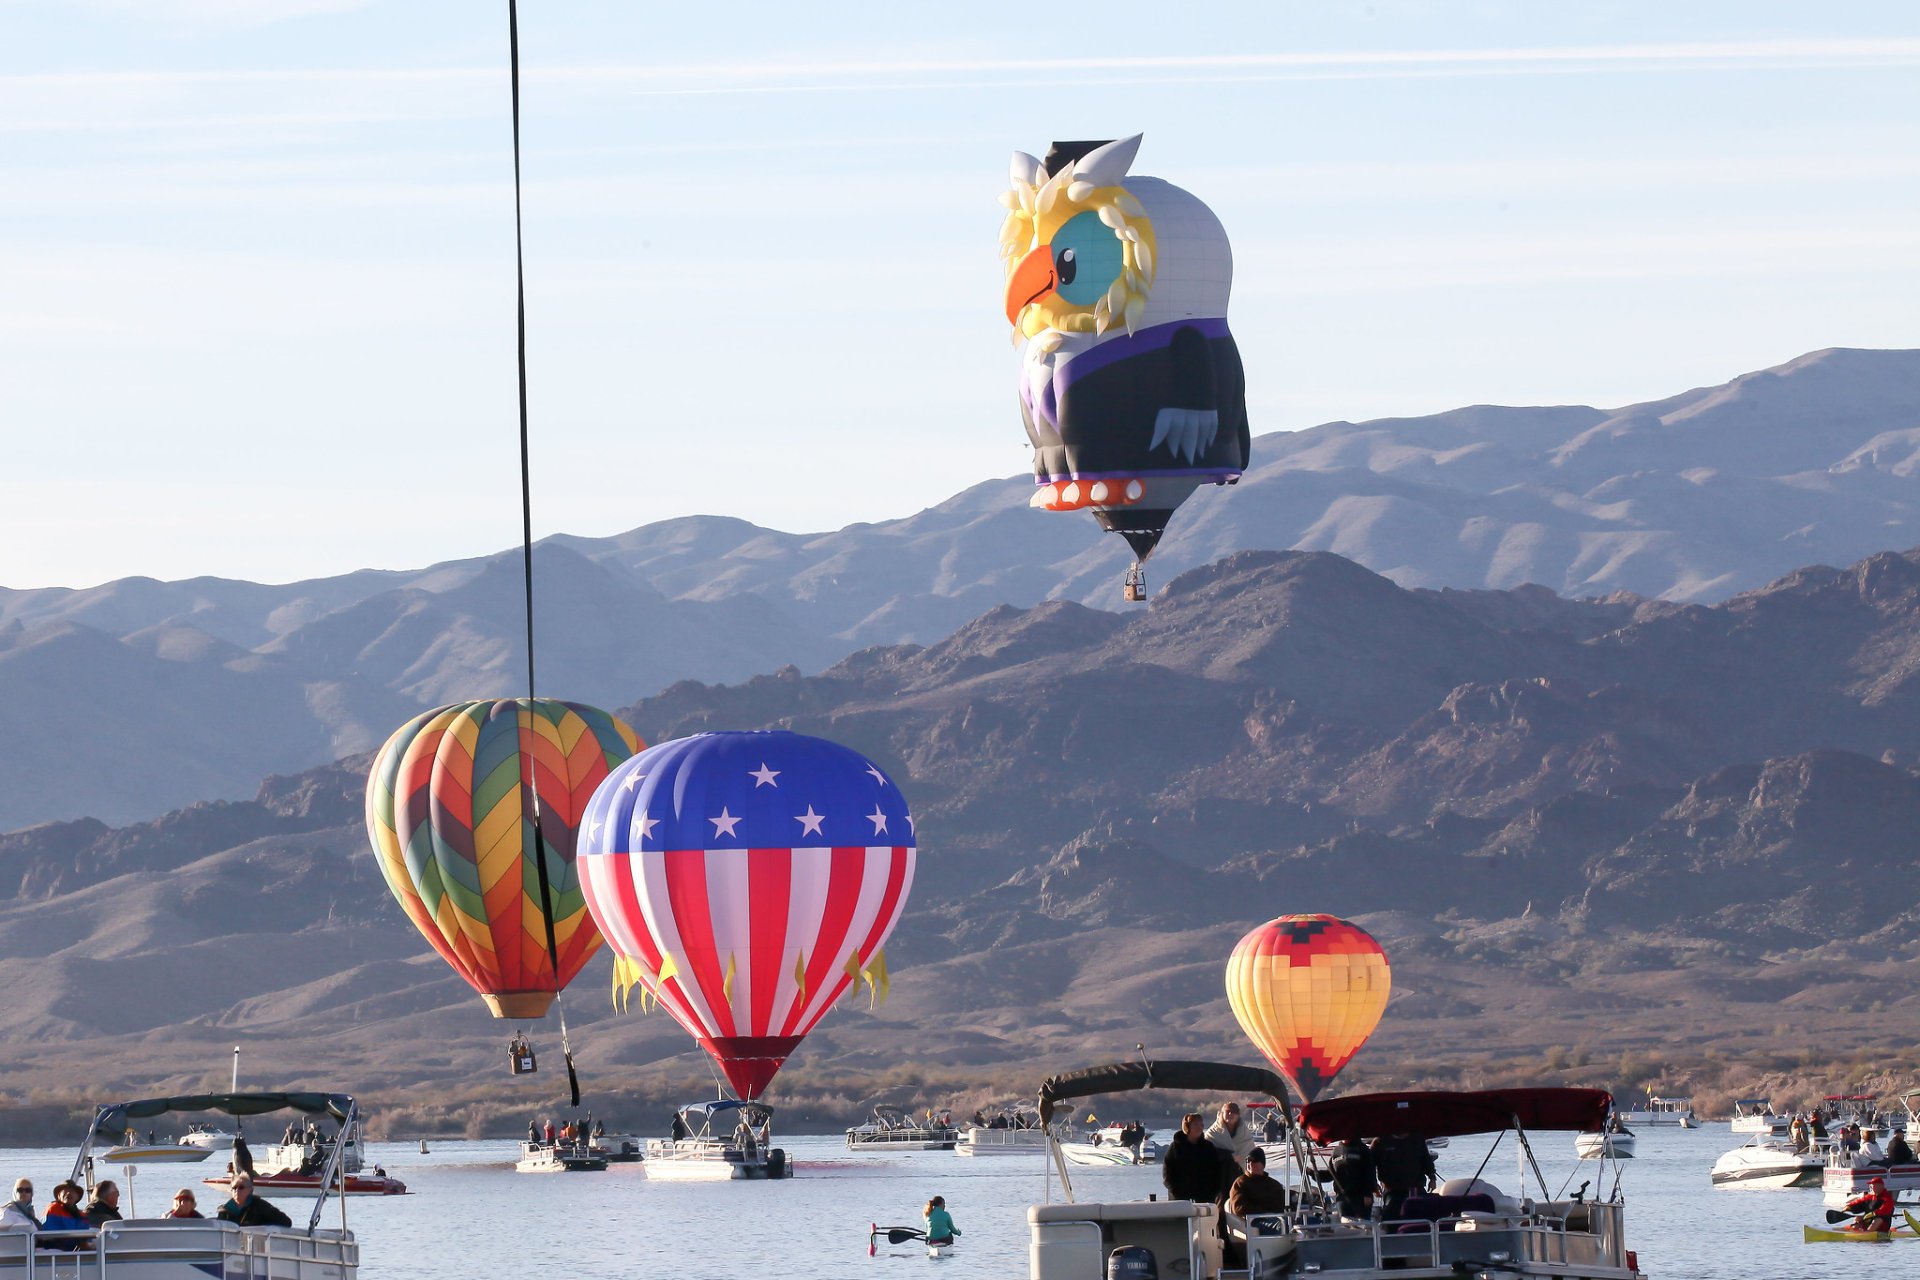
(1667, 1112)
(138, 1153)
(142, 1248)
(1847, 1172)
(1756, 1115)
(1767, 1162)
(893, 1129)
(211, 1137)
(1907, 1230)
(1014, 1131)
(303, 1186)
(709, 1147)
(1604, 1146)
(555, 1157)
(617, 1148)
(1106, 1146)
(1471, 1228)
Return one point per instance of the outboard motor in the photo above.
(1132, 1262)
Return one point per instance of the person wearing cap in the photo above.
(184, 1205)
(18, 1213)
(249, 1210)
(1874, 1207)
(1256, 1191)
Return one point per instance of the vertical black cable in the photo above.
(526, 535)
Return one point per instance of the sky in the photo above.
(256, 256)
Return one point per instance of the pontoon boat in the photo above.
(893, 1129)
(714, 1149)
(1756, 1115)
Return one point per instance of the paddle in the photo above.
(895, 1235)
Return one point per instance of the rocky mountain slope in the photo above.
(1582, 829)
(146, 695)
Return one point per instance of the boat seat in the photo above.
(1435, 1208)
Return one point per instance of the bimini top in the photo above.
(337, 1105)
(718, 1106)
(1851, 1097)
(1753, 1102)
(1121, 1077)
(1445, 1115)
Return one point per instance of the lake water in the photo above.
(475, 1217)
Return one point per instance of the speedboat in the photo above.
(617, 1148)
(1669, 1112)
(1106, 1146)
(1604, 1146)
(146, 1248)
(893, 1129)
(710, 1147)
(305, 1186)
(1756, 1115)
(1015, 1131)
(555, 1157)
(139, 1153)
(1767, 1163)
(211, 1137)
(1470, 1228)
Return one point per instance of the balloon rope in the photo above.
(526, 540)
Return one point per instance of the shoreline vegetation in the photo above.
(812, 1103)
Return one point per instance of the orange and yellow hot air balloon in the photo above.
(1308, 991)
(450, 807)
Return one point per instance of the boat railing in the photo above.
(259, 1253)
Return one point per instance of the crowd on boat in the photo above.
(69, 1226)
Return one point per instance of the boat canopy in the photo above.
(717, 1106)
(1753, 1102)
(337, 1105)
(1445, 1115)
(1122, 1077)
(1851, 1097)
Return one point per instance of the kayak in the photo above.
(1833, 1235)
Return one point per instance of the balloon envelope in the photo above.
(748, 880)
(450, 814)
(1308, 990)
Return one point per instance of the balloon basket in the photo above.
(1135, 589)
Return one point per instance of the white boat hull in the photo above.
(277, 1186)
(1087, 1153)
(1607, 1146)
(190, 1249)
(694, 1161)
(1002, 1142)
(1766, 1166)
(540, 1158)
(157, 1153)
(1842, 1183)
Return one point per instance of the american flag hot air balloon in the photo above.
(746, 882)
(1308, 991)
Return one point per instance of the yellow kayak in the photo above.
(1832, 1235)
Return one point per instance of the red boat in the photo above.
(308, 1184)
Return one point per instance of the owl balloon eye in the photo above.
(1087, 259)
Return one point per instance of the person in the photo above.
(1874, 1207)
(743, 1138)
(533, 1134)
(1272, 1129)
(548, 1130)
(1870, 1152)
(1898, 1152)
(249, 1210)
(680, 1133)
(63, 1214)
(1255, 1191)
(1190, 1170)
(1818, 1126)
(1231, 1135)
(600, 1129)
(1354, 1179)
(1404, 1166)
(1797, 1133)
(940, 1228)
(184, 1205)
(105, 1205)
(18, 1212)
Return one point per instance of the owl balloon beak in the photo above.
(1033, 278)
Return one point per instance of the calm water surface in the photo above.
(474, 1216)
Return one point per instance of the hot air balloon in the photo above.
(747, 881)
(1130, 382)
(1308, 991)
(450, 814)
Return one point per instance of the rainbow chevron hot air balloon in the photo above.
(450, 815)
(1308, 991)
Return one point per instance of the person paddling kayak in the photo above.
(940, 1228)
(1874, 1206)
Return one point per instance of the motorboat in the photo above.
(617, 1148)
(893, 1129)
(143, 1248)
(1604, 1146)
(303, 1186)
(1109, 1146)
(1470, 1228)
(1756, 1115)
(718, 1141)
(1014, 1131)
(139, 1153)
(556, 1157)
(1672, 1113)
(1767, 1162)
(209, 1136)
(1847, 1171)
(305, 1150)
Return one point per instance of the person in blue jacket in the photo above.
(940, 1228)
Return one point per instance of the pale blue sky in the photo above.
(256, 264)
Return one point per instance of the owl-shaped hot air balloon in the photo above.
(1308, 991)
(1130, 383)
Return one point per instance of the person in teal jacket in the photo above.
(940, 1228)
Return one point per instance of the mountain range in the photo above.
(145, 695)
(1625, 831)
